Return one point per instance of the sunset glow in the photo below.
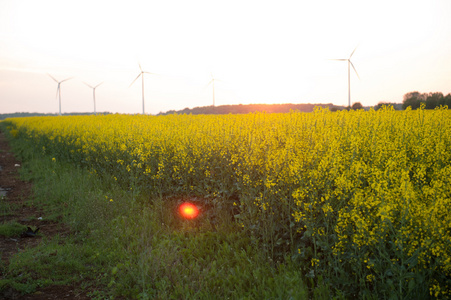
(259, 52)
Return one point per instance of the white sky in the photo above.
(263, 51)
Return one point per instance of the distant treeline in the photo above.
(25, 114)
(412, 99)
(249, 108)
(416, 99)
(430, 100)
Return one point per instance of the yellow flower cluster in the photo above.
(371, 186)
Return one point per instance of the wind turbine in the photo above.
(349, 74)
(58, 90)
(142, 76)
(212, 82)
(93, 93)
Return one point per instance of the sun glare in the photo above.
(188, 211)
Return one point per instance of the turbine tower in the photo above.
(93, 94)
(142, 77)
(212, 82)
(349, 74)
(58, 90)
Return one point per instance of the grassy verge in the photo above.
(135, 246)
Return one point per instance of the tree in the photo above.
(414, 100)
(447, 100)
(434, 99)
(357, 105)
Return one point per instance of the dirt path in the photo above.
(16, 208)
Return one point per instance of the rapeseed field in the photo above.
(359, 200)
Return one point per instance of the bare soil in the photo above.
(18, 194)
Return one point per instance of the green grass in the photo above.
(6, 209)
(55, 262)
(12, 229)
(135, 246)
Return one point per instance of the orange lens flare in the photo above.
(188, 210)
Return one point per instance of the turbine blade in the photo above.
(88, 85)
(151, 73)
(135, 79)
(66, 79)
(98, 85)
(353, 52)
(208, 83)
(354, 69)
(52, 77)
(140, 67)
(339, 59)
